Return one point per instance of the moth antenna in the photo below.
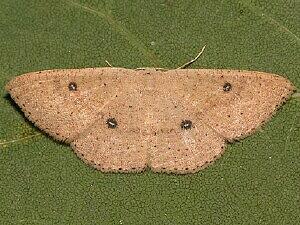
(193, 60)
(108, 63)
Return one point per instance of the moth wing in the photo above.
(63, 103)
(179, 150)
(180, 142)
(233, 103)
(117, 142)
(112, 149)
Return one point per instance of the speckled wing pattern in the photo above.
(123, 120)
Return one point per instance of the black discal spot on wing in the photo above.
(186, 124)
(111, 123)
(72, 86)
(227, 87)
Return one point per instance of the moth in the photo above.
(125, 120)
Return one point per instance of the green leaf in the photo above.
(255, 182)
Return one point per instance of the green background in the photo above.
(257, 181)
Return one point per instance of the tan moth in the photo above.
(125, 120)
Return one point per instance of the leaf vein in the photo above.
(4, 142)
(256, 10)
(120, 28)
